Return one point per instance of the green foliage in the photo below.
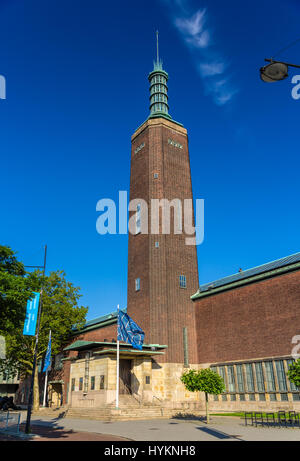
(15, 290)
(59, 313)
(294, 373)
(204, 380)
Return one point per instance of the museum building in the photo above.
(242, 326)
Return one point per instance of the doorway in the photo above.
(125, 377)
(55, 395)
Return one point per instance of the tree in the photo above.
(204, 380)
(60, 313)
(294, 373)
(15, 290)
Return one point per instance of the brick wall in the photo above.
(161, 307)
(253, 321)
(108, 332)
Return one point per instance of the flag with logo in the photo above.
(47, 361)
(31, 315)
(129, 331)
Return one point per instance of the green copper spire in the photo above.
(158, 79)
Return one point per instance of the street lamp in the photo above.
(275, 71)
(30, 399)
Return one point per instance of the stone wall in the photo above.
(151, 383)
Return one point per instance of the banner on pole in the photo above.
(47, 362)
(31, 315)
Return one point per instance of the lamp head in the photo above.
(274, 72)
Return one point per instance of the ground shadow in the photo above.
(215, 433)
(50, 431)
(189, 416)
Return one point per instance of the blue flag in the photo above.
(31, 315)
(129, 331)
(47, 362)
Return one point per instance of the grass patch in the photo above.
(242, 414)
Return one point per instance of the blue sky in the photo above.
(76, 74)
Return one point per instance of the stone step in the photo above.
(110, 413)
(121, 412)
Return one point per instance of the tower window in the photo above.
(155, 175)
(156, 244)
(182, 281)
(138, 219)
(137, 284)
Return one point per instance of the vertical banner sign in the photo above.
(47, 361)
(31, 315)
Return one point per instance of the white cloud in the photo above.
(208, 69)
(193, 29)
(221, 90)
(209, 62)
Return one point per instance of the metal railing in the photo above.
(10, 421)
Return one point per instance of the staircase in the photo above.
(56, 413)
(129, 409)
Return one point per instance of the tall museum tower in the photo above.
(162, 268)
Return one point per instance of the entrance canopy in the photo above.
(126, 350)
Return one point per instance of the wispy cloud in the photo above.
(208, 69)
(210, 63)
(193, 29)
(222, 91)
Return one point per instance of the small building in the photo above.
(8, 384)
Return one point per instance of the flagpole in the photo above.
(46, 378)
(45, 389)
(118, 359)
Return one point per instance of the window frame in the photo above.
(182, 281)
(138, 284)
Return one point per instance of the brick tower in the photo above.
(162, 269)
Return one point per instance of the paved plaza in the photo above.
(220, 429)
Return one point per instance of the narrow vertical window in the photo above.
(138, 219)
(182, 281)
(259, 377)
(240, 378)
(270, 377)
(249, 377)
(178, 217)
(92, 383)
(223, 375)
(231, 379)
(281, 375)
(102, 378)
(80, 384)
(137, 284)
(73, 384)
